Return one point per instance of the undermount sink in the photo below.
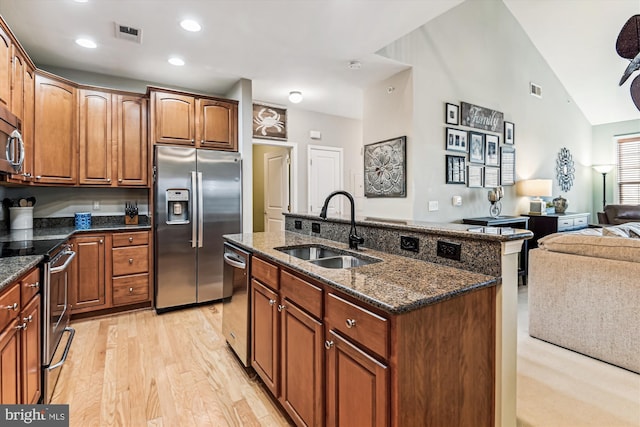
(327, 257)
(344, 261)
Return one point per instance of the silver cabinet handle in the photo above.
(130, 260)
(34, 285)
(108, 179)
(23, 326)
(13, 307)
(130, 239)
(130, 290)
(101, 241)
(28, 319)
(272, 302)
(328, 344)
(281, 307)
(351, 323)
(120, 180)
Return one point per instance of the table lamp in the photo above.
(536, 188)
(604, 170)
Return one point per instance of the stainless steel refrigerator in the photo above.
(197, 200)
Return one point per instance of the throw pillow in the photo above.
(614, 232)
(632, 229)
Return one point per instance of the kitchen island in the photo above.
(433, 349)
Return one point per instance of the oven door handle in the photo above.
(72, 332)
(66, 263)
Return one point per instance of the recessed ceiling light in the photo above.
(82, 1)
(89, 44)
(176, 61)
(190, 25)
(295, 96)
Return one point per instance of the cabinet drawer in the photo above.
(30, 286)
(565, 224)
(359, 324)
(581, 222)
(265, 272)
(302, 293)
(130, 260)
(130, 239)
(9, 299)
(130, 289)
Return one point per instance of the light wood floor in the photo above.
(140, 369)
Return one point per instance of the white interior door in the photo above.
(325, 176)
(276, 188)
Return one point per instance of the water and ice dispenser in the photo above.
(178, 206)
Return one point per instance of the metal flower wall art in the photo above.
(385, 168)
(628, 46)
(565, 169)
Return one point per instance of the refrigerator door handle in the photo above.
(200, 210)
(194, 190)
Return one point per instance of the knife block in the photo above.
(131, 220)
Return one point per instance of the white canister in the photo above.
(21, 218)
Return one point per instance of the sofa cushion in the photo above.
(618, 248)
(619, 214)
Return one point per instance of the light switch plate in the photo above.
(433, 205)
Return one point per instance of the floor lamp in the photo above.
(603, 169)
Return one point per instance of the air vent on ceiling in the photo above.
(535, 90)
(128, 33)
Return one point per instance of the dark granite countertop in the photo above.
(396, 285)
(442, 228)
(11, 268)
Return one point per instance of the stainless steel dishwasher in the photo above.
(235, 310)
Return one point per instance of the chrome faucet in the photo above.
(354, 239)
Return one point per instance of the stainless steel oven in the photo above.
(57, 335)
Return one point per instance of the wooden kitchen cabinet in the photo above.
(31, 351)
(55, 138)
(10, 364)
(130, 123)
(265, 328)
(131, 258)
(5, 67)
(95, 137)
(197, 121)
(87, 284)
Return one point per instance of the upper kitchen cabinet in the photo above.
(55, 138)
(198, 121)
(5, 67)
(113, 139)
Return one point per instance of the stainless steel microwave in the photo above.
(11, 144)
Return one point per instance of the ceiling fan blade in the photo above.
(628, 43)
(635, 91)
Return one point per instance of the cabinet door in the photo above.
(30, 343)
(5, 68)
(95, 137)
(10, 365)
(357, 386)
(55, 143)
(28, 122)
(302, 365)
(264, 334)
(174, 118)
(88, 275)
(133, 145)
(17, 83)
(217, 124)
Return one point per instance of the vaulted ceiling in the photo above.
(286, 45)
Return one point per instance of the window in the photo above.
(629, 170)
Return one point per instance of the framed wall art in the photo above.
(475, 176)
(509, 133)
(269, 122)
(452, 112)
(491, 151)
(456, 140)
(385, 168)
(476, 147)
(456, 170)
(507, 166)
(491, 177)
(480, 117)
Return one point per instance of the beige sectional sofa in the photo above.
(584, 293)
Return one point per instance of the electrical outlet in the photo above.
(433, 205)
(409, 243)
(449, 250)
(315, 227)
(456, 200)
(96, 205)
(298, 224)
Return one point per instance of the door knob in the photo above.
(351, 323)
(130, 260)
(328, 344)
(272, 302)
(130, 239)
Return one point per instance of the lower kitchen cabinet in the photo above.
(324, 353)
(111, 270)
(20, 348)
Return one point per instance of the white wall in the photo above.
(604, 152)
(477, 53)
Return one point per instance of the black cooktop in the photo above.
(29, 247)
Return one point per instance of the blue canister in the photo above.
(83, 220)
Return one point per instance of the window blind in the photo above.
(629, 170)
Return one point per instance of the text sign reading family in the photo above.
(481, 118)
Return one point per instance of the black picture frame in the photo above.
(452, 114)
(476, 147)
(492, 152)
(456, 169)
(509, 133)
(456, 140)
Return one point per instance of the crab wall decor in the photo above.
(269, 122)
